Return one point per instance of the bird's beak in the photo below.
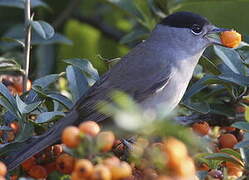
(213, 35)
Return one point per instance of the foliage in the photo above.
(88, 30)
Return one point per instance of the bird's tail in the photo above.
(37, 143)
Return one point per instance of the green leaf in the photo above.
(231, 58)
(24, 108)
(46, 80)
(26, 132)
(6, 94)
(45, 30)
(225, 157)
(85, 66)
(9, 64)
(61, 99)
(242, 144)
(20, 3)
(201, 107)
(46, 117)
(231, 152)
(241, 125)
(247, 113)
(235, 78)
(78, 83)
(16, 32)
(8, 106)
(209, 65)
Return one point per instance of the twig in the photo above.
(27, 43)
(66, 13)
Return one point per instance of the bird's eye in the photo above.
(196, 29)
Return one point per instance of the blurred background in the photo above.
(103, 29)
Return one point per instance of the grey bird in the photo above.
(155, 73)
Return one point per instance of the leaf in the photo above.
(247, 113)
(46, 117)
(6, 94)
(61, 99)
(24, 108)
(209, 65)
(225, 157)
(45, 30)
(20, 3)
(241, 125)
(8, 106)
(78, 83)
(85, 66)
(198, 107)
(242, 144)
(231, 152)
(235, 78)
(231, 58)
(26, 132)
(8, 64)
(16, 32)
(245, 155)
(46, 80)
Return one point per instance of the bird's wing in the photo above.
(140, 74)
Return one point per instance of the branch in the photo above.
(27, 43)
(66, 13)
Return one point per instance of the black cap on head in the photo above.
(184, 20)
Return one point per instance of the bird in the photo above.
(155, 73)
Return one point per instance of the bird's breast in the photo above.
(168, 96)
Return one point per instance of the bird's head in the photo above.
(190, 30)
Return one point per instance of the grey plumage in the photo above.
(155, 73)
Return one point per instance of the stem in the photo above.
(27, 43)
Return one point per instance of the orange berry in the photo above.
(65, 163)
(14, 177)
(38, 172)
(15, 126)
(123, 170)
(105, 140)
(71, 136)
(175, 151)
(90, 128)
(164, 178)
(3, 169)
(234, 169)
(101, 172)
(111, 161)
(186, 168)
(74, 176)
(227, 140)
(50, 167)
(202, 128)
(26, 165)
(230, 39)
(83, 168)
